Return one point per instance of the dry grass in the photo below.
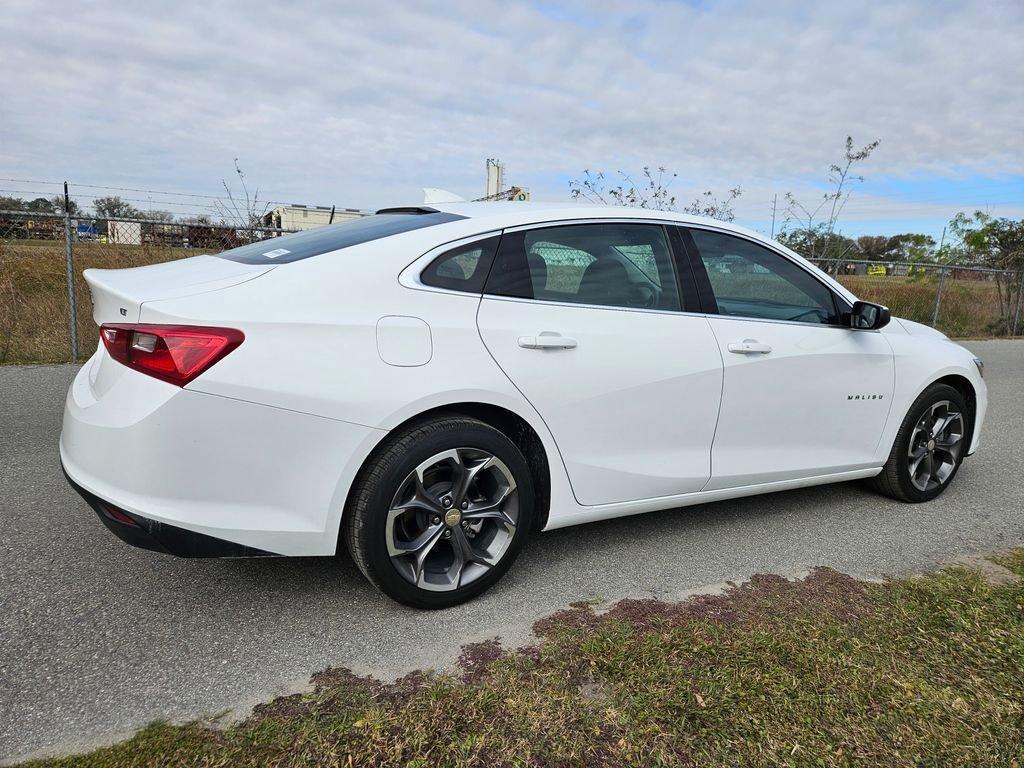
(970, 308)
(34, 310)
(826, 671)
(34, 303)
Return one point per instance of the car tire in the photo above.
(455, 487)
(919, 449)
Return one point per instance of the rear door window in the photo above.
(616, 265)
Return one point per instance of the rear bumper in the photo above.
(144, 533)
(204, 475)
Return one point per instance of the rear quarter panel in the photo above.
(311, 346)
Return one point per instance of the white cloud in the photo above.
(363, 103)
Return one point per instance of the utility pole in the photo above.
(69, 264)
(775, 199)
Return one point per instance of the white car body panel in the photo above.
(632, 408)
(342, 348)
(814, 405)
(118, 294)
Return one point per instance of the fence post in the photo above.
(938, 297)
(69, 264)
(1020, 295)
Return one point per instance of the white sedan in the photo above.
(429, 386)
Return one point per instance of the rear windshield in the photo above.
(313, 242)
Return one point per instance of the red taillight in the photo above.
(174, 353)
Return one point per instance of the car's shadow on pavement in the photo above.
(610, 558)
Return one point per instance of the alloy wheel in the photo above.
(452, 519)
(935, 446)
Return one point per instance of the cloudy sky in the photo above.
(361, 104)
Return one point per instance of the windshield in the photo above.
(313, 242)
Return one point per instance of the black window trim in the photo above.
(707, 297)
(687, 295)
(691, 292)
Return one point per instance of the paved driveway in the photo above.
(98, 638)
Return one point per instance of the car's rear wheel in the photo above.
(929, 447)
(441, 512)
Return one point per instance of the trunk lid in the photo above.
(118, 294)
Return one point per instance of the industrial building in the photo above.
(309, 216)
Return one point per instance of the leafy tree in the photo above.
(39, 205)
(873, 247)
(911, 247)
(997, 244)
(57, 204)
(164, 216)
(811, 243)
(11, 203)
(115, 208)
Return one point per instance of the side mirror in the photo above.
(866, 316)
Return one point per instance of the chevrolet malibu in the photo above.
(429, 386)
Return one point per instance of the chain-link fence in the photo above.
(961, 301)
(42, 256)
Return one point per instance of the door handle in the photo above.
(547, 340)
(749, 347)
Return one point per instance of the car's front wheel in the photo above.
(929, 447)
(441, 512)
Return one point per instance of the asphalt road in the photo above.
(97, 638)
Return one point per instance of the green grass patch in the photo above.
(819, 672)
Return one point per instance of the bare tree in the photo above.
(652, 192)
(709, 204)
(818, 222)
(244, 210)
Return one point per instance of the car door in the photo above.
(587, 322)
(803, 395)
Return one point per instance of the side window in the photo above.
(462, 269)
(616, 265)
(749, 280)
